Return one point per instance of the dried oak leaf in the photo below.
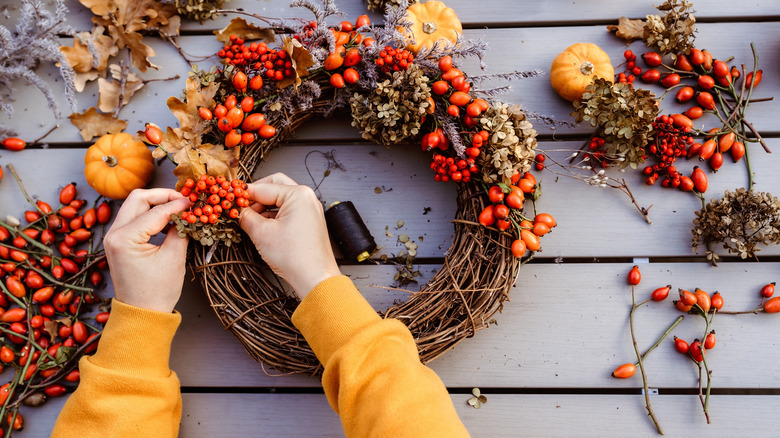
(300, 58)
(123, 19)
(163, 16)
(99, 7)
(246, 31)
(627, 29)
(192, 126)
(109, 91)
(93, 124)
(89, 64)
(192, 162)
(52, 328)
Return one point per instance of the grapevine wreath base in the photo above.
(469, 288)
(481, 265)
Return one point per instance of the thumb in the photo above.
(252, 222)
(173, 246)
(154, 220)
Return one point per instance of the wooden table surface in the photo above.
(545, 365)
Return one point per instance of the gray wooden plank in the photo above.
(593, 222)
(504, 415)
(493, 12)
(565, 326)
(530, 49)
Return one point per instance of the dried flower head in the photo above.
(741, 221)
(393, 111)
(381, 5)
(624, 116)
(672, 32)
(511, 143)
(200, 10)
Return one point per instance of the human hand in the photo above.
(146, 275)
(293, 240)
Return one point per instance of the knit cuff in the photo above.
(331, 314)
(137, 341)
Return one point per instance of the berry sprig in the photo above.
(341, 61)
(236, 119)
(712, 85)
(216, 205)
(506, 211)
(449, 168)
(698, 302)
(453, 89)
(50, 266)
(672, 138)
(391, 59)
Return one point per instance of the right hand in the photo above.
(293, 240)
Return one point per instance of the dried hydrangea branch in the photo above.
(598, 179)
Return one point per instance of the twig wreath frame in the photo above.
(495, 147)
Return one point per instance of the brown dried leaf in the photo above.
(79, 58)
(82, 60)
(52, 328)
(92, 124)
(131, 14)
(99, 7)
(192, 126)
(627, 29)
(301, 60)
(82, 78)
(109, 91)
(123, 19)
(139, 51)
(206, 159)
(240, 28)
(163, 16)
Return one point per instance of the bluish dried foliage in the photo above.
(33, 42)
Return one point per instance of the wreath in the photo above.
(402, 84)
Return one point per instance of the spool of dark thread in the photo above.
(349, 231)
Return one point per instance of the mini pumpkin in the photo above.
(117, 164)
(432, 21)
(576, 67)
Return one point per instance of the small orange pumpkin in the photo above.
(432, 21)
(117, 164)
(576, 67)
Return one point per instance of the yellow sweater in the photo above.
(373, 377)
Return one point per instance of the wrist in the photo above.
(304, 285)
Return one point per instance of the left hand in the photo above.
(146, 275)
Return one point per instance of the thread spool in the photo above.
(349, 231)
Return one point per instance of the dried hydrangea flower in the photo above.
(741, 221)
(511, 143)
(624, 116)
(672, 32)
(393, 112)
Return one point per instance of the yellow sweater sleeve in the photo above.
(127, 388)
(373, 376)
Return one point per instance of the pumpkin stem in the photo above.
(429, 27)
(587, 68)
(110, 160)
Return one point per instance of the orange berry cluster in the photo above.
(505, 211)
(392, 60)
(307, 33)
(448, 168)
(236, 120)
(274, 64)
(214, 198)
